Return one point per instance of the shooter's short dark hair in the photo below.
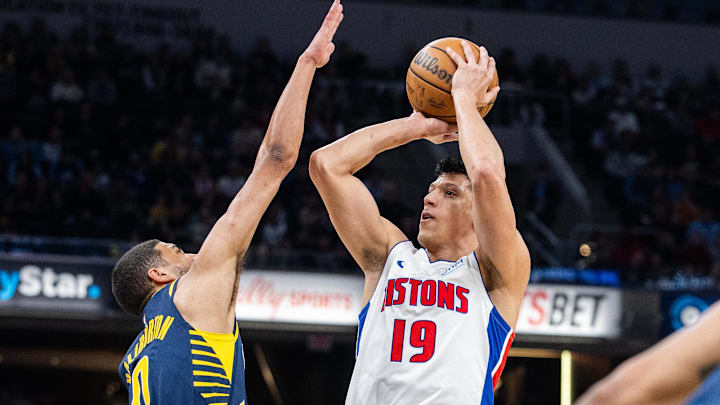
(130, 283)
(450, 165)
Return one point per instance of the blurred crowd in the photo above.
(100, 139)
(652, 142)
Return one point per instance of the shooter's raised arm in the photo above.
(213, 276)
(502, 254)
(353, 211)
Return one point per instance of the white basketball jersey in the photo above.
(429, 335)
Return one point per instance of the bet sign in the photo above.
(570, 311)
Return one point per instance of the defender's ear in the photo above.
(160, 275)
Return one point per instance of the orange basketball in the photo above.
(429, 79)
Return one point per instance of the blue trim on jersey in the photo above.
(709, 391)
(497, 332)
(361, 318)
(434, 261)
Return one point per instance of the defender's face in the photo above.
(178, 259)
(446, 210)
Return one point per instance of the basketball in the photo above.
(429, 79)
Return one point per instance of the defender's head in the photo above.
(144, 269)
(447, 208)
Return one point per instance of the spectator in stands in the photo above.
(708, 125)
(66, 89)
(545, 195)
(624, 120)
(102, 89)
(685, 211)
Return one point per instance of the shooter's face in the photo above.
(447, 210)
(179, 261)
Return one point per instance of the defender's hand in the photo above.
(321, 47)
(433, 129)
(473, 77)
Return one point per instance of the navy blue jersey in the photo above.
(709, 391)
(172, 363)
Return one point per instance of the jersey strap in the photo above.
(500, 336)
(361, 323)
(172, 289)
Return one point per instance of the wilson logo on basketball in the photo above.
(430, 63)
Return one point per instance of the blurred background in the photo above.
(128, 120)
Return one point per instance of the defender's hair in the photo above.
(130, 283)
(450, 165)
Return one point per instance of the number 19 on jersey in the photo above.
(422, 336)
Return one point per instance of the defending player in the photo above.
(190, 351)
(438, 321)
(669, 372)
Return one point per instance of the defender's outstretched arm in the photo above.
(353, 211)
(666, 373)
(502, 253)
(209, 299)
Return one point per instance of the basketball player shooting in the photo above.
(437, 322)
(670, 372)
(189, 351)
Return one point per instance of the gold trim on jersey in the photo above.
(209, 384)
(172, 286)
(206, 363)
(204, 353)
(214, 394)
(199, 343)
(209, 374)
(213, 356)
